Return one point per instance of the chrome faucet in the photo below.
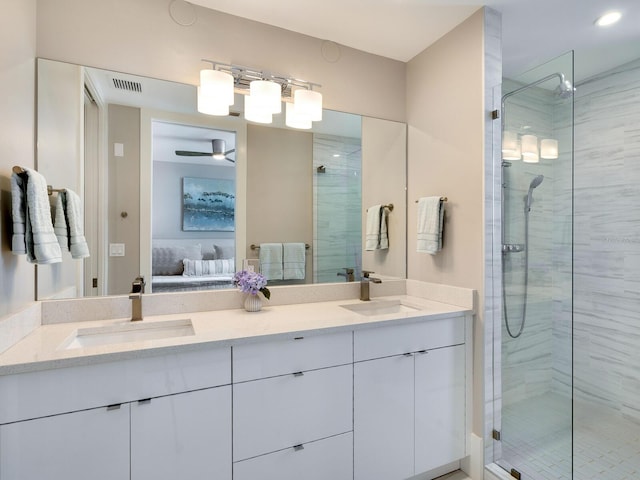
(364, 285)
(348, 274)
(137, 289)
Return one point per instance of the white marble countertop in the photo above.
(44, 348)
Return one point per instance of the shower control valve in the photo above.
(512, 247)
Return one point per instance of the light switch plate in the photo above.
(118, 149)
(116, 249)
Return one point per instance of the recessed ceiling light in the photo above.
(608, 18)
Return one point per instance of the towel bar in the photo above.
(444, 199)
(19, 170)
(257, 247)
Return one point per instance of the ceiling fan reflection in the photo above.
(219, 151)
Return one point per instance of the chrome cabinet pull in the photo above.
(144, 401)
(408, 354)
(298, 374)
(115, 406)
(297, 448)
(298, 338)
(422, 352)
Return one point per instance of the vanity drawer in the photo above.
(279, 412)
(330, 458)
(398, 339)
(296, 354)
(49, 392)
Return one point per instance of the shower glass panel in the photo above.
(337, 203)
(534, 346)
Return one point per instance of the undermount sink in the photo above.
(128, 332)
(381, 307)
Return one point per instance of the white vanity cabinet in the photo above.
(185, 436)
(297, 422)
(409, 398)
(74, 446)
(161, 417)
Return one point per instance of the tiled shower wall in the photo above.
(529, 362)
(337, 204)
(607, 240)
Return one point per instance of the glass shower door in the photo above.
(534, 374)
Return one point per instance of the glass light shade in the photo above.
(308, 103)
(549, 148)
(256, 113)
(295, 120)
(530, 149)
(218, 85)
(266, 95)
(210, 105)
(510, 146)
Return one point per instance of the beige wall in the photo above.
(17, 82)
(140, 37)
(124, 196)
(276, 156)
(446, 157)
(384, 149)
(60, 159)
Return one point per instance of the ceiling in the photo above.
(534, 31)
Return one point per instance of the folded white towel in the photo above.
(40, 243)
(294, 261)
(271, 261)
(68, 224)
(18, 214)
(430, 224)
(376, 237)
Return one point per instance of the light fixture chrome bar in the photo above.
(244, 75)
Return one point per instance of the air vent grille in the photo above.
(127, 85)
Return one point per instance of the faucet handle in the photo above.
(348, 270)
(366, 273)
(138, 285)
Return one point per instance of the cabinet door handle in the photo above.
(144, 401)
(298, 338)
(408, 354)
(298, 374)
(115, 406)
(422, 352)
(297, 448)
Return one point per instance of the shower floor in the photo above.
(536, 440)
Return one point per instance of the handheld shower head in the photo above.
(535, 183)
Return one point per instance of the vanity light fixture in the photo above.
(608, 19)
(549, 148)
(264, 93)
(510, 146)
(293, 119)
(530, 149)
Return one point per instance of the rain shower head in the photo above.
(535, 183)
(565, 89)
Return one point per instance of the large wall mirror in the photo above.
(186, 199)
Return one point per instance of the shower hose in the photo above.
(526, 281)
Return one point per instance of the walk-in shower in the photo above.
(566, 383)
(532, 349)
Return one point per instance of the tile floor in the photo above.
(537, 441)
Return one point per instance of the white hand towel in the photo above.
(430, 224)
(376, 237)
(19, 214)
(69, 224)
(41, 245)
(271, 261)
(294, 260)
